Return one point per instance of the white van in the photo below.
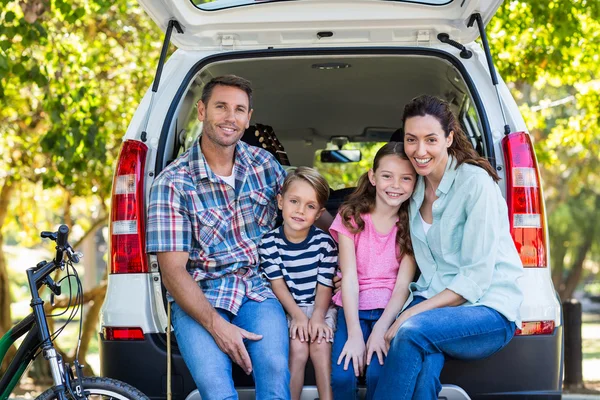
(327, 73)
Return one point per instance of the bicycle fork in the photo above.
(56, 365)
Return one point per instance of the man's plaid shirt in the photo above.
(191, 209)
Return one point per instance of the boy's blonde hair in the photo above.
(314, 179)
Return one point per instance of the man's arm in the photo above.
(191, 299)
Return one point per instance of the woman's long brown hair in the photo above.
(362, 201)
(461, 149)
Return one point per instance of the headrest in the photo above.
(398, 135)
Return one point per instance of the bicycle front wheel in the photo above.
(96, 388)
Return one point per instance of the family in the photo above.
(341, 293)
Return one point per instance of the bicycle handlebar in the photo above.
(62, 245)
(62, 235)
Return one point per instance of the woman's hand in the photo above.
(319, 330)
(377, 344)
(354, 350)
(299, 327)
(393, 330)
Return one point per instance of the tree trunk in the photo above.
(558, 252)
(5, 300)
(577, 267)
(67, 210)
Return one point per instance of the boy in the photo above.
(300, 259)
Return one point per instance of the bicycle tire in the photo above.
(102, 388)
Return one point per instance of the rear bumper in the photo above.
(530, 367)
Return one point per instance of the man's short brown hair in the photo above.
(314, 179)
(227, 80)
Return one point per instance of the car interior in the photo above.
(305, 105)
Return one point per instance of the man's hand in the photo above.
(299, 327)
(230, 340)
(337, 282)
(319, 330)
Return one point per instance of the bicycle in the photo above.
(68, 382)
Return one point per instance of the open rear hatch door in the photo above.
(256, 24)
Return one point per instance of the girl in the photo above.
(466, 302)
(375, 257)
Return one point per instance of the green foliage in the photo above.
(71, 76)
(542, 39)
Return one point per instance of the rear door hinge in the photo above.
(423, 38)
(227, 42)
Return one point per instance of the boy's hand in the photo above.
(319, 330)
(299, 327)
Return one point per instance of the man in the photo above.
(208, 211)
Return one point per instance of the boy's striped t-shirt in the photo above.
(302, 265)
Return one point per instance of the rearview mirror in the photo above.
(340, 156)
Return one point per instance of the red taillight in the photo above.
(536, 328)
(127, 229)
(120, 333)
(524, 198)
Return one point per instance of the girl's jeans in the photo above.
(416, 356)
(211, 368)
(344, 383)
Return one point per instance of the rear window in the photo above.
(345, 175)
(209, 5)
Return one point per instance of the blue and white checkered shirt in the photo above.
(191, 209)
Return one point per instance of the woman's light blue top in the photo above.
(468, 248)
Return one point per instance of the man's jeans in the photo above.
(344, 383)
(211, 368)
(416, 355)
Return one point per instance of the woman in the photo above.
(466, 302)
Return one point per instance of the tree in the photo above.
(548, 54)
(71, 75)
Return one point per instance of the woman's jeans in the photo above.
(416, 355)
(211, 368)
(344, 383)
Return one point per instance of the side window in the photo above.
(192, 128)
(346, 175)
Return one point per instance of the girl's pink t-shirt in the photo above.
(376, 263)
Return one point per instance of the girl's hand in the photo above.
(377, 344)
(299, 327)
(319, 330)
(354, 350)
